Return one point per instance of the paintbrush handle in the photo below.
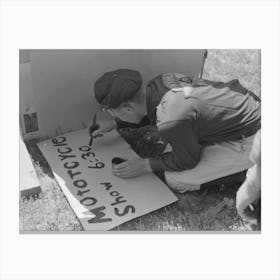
(90, 141)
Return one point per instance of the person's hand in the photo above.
(248, 193)
(133, 167)
(102, 127)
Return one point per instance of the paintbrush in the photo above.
(94, 126)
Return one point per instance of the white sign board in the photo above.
(101, 200)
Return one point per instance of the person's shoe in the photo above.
(234, 180)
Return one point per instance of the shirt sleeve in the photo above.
(122, 124)
(186, 150)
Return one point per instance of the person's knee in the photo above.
(178, 185)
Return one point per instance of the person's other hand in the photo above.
(250, 190)
(133, 167)
(248, 193)
(102, 127)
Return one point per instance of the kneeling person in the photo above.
(209, 126)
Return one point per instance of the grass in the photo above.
(194, 211)
(225, 65)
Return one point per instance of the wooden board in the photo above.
(101, 200)
(29, 183)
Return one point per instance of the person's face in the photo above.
(128, 112)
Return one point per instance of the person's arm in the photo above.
(122, 124)
(250, 190)
(102, 127)
(186, 150)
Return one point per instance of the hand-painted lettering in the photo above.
(80, 183)
(88, 201)
(71, 159)
(114, 193)
(85, 148)
(99, 214)
(67, 150)
(107, 185)
(125, 210)
(71, 165)
(118, 200)
(81, 193)
(63, 157)
(97, 165)
(73, 174)
(88, 155)
(58, 140)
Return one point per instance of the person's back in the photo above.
(219, 114)
(191, 117)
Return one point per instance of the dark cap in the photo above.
(116, 87)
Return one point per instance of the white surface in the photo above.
(130, 198)
(69, 24)
(28, 177)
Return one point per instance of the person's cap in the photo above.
(116, 87)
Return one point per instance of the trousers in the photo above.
(217, 161)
